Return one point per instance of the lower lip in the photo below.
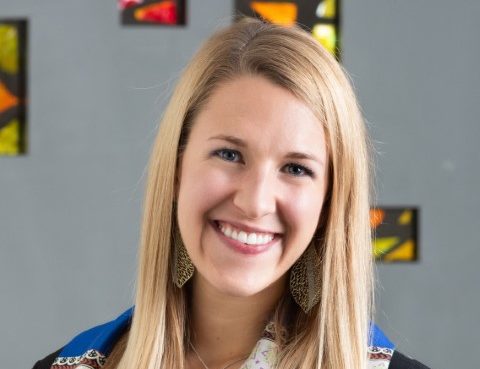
(241, 247)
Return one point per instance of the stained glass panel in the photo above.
(153, 12)
(319, 17)
(395, 233)
(12, 87)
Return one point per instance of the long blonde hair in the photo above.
(335, 333)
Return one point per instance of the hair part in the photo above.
(335, 333)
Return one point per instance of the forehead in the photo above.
(260, 112)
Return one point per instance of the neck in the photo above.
(225, 327)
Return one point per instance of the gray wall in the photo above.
(70, 209)
(416, 67)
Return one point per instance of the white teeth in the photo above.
(248, 238)
(252, 238)
(242, 237)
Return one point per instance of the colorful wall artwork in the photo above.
(395, 231)
(13, 37)
(152, 12)
(322, 18)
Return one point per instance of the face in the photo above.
(252, 181)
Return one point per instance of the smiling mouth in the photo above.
(244, 237)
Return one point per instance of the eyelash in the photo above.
(219, 152)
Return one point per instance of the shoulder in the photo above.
(383, 353)
(90, 347)
(400, 361)
(47, 361)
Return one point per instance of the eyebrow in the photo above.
(232, 139)
(292, 155)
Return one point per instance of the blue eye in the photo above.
(227, 154)
(298, 170)
(235, 156)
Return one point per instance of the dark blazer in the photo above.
(102, 338)
(399, 361)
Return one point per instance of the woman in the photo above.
(256, 249)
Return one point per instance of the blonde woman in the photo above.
(255, 248)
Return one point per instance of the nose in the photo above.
(255, 195)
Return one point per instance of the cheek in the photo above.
(302, 212)
(203, 187)
(201, 190)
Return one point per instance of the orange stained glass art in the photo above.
(282, 13)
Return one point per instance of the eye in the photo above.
(227, 154)
(298, 170)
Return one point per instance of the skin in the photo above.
(255, 185)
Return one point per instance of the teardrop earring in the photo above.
(183, 268)
(305, 279)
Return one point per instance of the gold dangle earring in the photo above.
(183, 267)
(305, 279)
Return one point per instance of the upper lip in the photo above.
(247, 228)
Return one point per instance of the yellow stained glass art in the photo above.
(327, 9)
(326, 34)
